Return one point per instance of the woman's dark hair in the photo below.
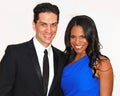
(45, 7)
(91, 35)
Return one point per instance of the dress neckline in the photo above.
(84, 58)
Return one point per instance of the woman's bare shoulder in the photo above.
(104, 64)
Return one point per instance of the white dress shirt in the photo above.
(40, 53)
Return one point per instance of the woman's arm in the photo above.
(106, 78)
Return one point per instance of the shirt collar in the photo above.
(40, 47)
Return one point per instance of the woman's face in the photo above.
(78, 40)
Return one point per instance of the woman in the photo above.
(88, 72)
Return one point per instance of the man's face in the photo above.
(46, 27)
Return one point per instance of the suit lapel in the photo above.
(34, 61)
(55, 70)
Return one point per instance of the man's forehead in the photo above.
(47, 17)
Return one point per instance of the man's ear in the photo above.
(33, 25)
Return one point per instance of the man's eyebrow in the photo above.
(47, 23)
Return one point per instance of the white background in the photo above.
(16, 25)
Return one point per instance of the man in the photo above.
(21, 68)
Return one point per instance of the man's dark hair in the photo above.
(45, 7)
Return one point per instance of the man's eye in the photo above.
(54, 24)
(42, 24)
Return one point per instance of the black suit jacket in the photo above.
(20, 74)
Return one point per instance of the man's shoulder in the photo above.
(55, 49)
(59, 52)
(19, 46)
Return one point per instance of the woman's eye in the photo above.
(72, 36)
(82, 36)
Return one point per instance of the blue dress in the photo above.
(77, 79)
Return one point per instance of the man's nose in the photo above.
(48, 28)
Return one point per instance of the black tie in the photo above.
(45, 70)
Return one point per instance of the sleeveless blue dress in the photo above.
(77, 79)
